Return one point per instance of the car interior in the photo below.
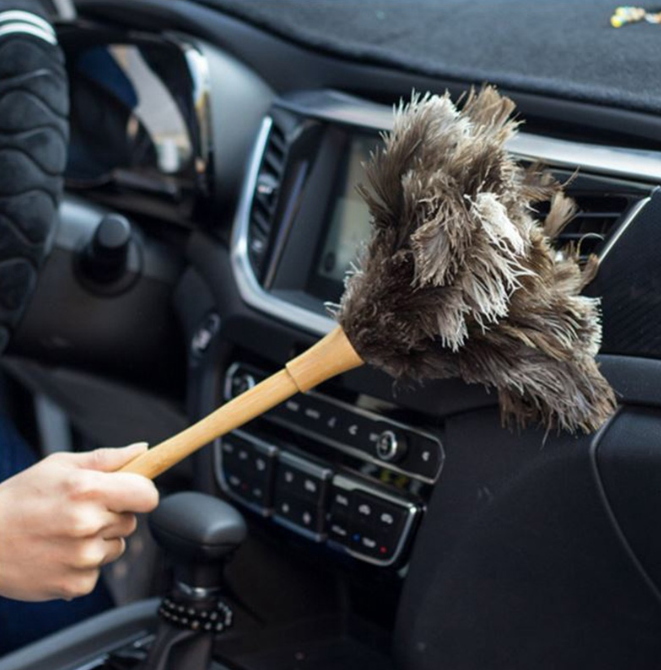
(205, 170)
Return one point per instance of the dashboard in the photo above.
(299, 227)
(403, 519)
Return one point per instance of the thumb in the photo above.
(109, 460)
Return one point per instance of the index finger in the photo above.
(126, 492)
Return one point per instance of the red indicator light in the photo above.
(383, 550)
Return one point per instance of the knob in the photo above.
(241, 383)
(391, 446)
(104, 259)
(238, 381)
(199, 533)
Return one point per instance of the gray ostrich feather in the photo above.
(459, 278)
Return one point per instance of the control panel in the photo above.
(320, 491)
(365, 435)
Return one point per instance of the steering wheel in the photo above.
(34, 106)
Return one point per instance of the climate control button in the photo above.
(248, 468)
(301, 513)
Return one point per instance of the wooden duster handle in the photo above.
(331, 356)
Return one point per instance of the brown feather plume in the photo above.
(459, 279)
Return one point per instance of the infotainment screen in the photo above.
(348, 227)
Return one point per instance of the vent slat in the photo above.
(265, 198)
(260, 222)
(274, 163)
(578, 236)
(598, 216)
(264, 206)
(278, 141)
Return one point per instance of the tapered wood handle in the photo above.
(331, 356)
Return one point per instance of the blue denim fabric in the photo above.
(22, 623)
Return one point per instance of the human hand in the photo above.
(65, 517)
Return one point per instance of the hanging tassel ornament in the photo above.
(626, 14)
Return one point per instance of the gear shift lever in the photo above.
(199, 533)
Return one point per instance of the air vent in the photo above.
(265, 199)
(598, 216)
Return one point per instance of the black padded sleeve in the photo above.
(33, 144)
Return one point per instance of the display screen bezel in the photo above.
(291, 273)
(319, 284)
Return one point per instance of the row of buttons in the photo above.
(365, 523)
(248, 469)
(333, 423)
(308, 498)
(300, 493)
(266, 479)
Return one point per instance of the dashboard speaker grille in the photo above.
(265, 199)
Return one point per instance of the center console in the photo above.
(342, 476)
(348, 471)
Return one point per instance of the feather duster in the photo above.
(459, 278)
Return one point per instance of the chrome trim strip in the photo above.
(613, 161)
(286, 523)
(198, 68)
(621, 229)
(251, 292)
(338, 107)
(413, 511)
(263, 447)
(197, 592)
(341, 108)
(305, 466)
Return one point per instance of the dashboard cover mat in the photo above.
(560, 47)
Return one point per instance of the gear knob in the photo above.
(199, 533)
